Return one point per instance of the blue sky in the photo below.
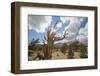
(77, 27)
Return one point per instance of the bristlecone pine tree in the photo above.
(50, 38)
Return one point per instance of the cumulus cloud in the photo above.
(71, 36)
(73, 28)
(58, 35)
(59, 25)
(39, 23)
(83, 34)
(64, 19)
(84, 31)
(73, 25)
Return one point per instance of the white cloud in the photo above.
(30, 27)
(39, 23)
(73, 28)
(73, 25)
(71, 36)
(62, 41)
(84, 31)
(83, 39)
(58, 35)
(81, 19)
(83, 34)
(59, 25)
(64, 19)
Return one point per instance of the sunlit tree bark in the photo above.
(51, 38)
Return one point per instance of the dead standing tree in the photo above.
(51, 38)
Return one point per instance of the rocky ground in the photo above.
(55, 55)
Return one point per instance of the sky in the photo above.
(77, 27)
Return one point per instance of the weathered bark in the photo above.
(50, 39)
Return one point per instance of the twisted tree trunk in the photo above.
(50, 39)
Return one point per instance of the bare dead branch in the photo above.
(60, 38)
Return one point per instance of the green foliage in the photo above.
(84, 52)
(72, 48)
(70, 52)
(79, 47)
(33, 44)
(64, 48)
(75, 45)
